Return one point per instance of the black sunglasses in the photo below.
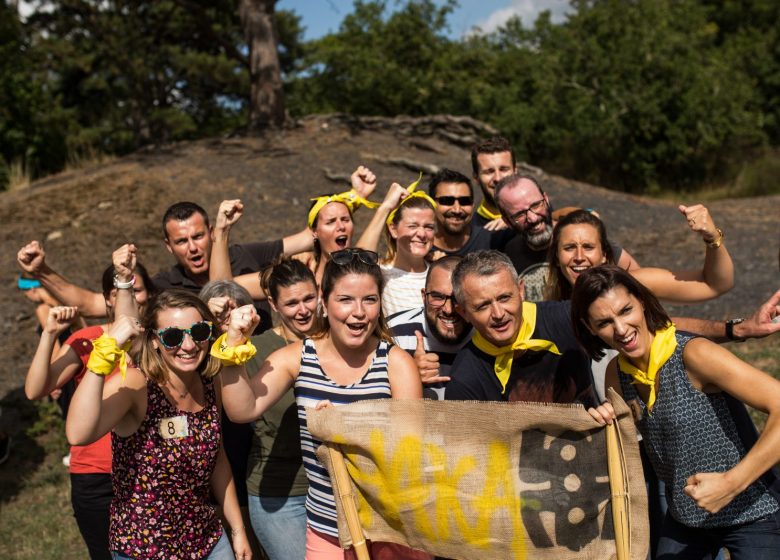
(173, 337)
(346, 256)
(450, 200)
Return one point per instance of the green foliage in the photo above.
(636, 95)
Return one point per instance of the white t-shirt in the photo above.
(402, 289)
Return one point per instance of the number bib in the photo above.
(174, 428)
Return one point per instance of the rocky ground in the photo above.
(81, 216)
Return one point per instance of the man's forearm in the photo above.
(90, 304)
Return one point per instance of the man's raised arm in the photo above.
(32, 259)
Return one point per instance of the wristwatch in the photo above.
(730, 328)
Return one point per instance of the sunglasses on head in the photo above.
(173, 337)
(450, 200)
(346, 256)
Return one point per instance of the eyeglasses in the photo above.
(535, 207)
(451, 200)
(173, 337)
(437, 299)
(346, 256)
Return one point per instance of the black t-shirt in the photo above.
(536, 376)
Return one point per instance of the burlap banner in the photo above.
(472, 480)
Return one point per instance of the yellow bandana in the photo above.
(232, 355)
(412, 194)
(350, 199)
(485, 213)
(105, 355)
(505, 354)
(662, 348)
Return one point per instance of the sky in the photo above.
(323, 16)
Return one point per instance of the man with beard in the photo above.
(521, 351)
(526, 209)
(455, 231)
(434, 333)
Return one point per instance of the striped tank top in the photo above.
(312, 386)
(691, 432)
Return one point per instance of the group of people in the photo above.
(188, 425)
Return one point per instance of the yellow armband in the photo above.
(232, 355)
(106, 355)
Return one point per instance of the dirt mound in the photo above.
(83, 215)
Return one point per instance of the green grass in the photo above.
(36, 518)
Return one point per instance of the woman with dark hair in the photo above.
(348, 358)
(329, 219)
(90, 465)
(164, 415)
(580, 242)
(407, 219)
(719, 487)
(275, 478)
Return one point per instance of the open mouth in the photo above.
(627, 343)
(303, 320)
(501, 327)
(197, 261)
(356, 329)
(341, 241)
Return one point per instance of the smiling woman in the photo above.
(349, 358)
(407, 219)
(164, 419)
(719, 483)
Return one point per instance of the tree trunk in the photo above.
(266, 100)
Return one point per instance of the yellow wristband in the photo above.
(106, 354)
(232, 355)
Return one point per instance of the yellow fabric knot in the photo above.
(661, 349)
(350, 199)
(505, 354)
(106, 354)
(233, 355)
(485, 213)
(413, 193)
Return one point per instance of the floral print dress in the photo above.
(161, 478)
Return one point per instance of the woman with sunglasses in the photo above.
(719, 483)
(348, 358)
(407, 219)
(90, 465)
(164, 419)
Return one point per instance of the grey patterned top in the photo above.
(693, 432)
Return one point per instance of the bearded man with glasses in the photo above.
(526, 209)
(433, 333)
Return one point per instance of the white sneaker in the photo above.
(66, 460)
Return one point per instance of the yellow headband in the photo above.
(412, 194)
(350, 199)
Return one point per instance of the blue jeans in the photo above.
(758, 540)
(221, 551)
(280, 525)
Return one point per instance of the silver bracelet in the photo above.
(119, 285)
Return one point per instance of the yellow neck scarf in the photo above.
(412, 194)
(661, 349)
(505, 354)
(485, 213)
(350, 199)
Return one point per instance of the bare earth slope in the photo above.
(86, 214)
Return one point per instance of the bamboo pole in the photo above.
(619, 489)
(342, 487)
